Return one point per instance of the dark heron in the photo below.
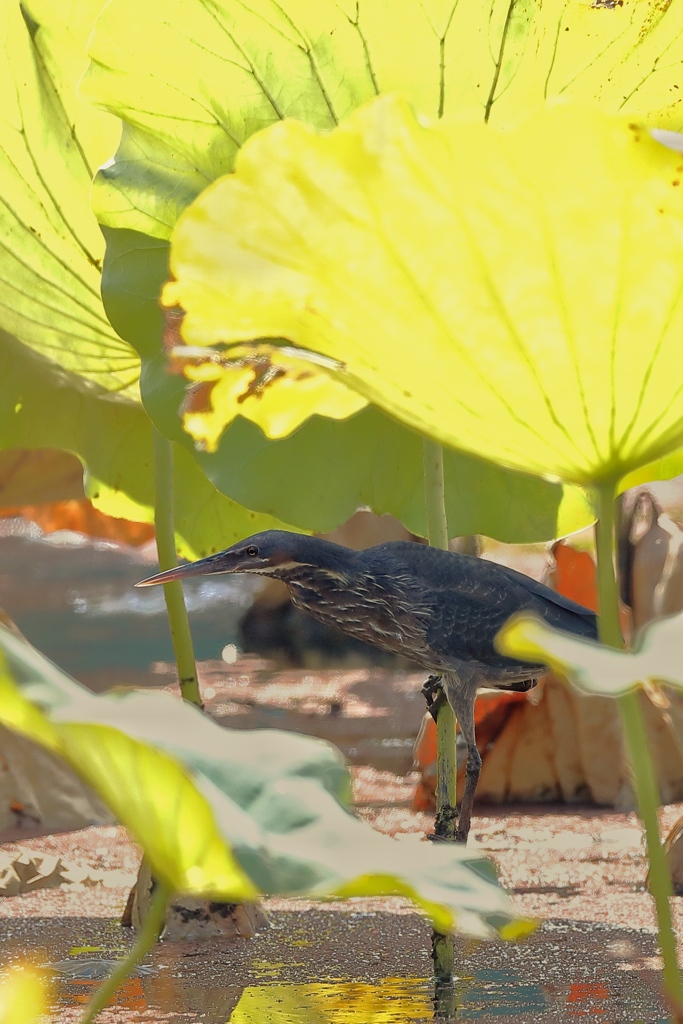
(436, 608)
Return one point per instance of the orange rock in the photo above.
(491, 712)
(81, 516)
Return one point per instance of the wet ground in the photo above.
(367, 961)
(297, 972)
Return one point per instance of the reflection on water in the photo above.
(486, 995)
(74, 598)
(131, 995)
(343, 1002)
(492, 992)
(160, 999)
(92, 970)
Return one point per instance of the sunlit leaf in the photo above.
(68, 381)
(52, 250)
(268, 384)
(59, 31)
(279, 802)
(541, 270)
(592, 668)
(247, 66)
(146, 789)
(368, 459)
(24, 991)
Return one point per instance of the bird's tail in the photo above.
(519, 686)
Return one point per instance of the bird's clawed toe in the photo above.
(433, 693)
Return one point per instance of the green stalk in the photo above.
(647, 793)
(148, 935)
(443, 950)
(435, 494)
(446, 764)
(173, 592)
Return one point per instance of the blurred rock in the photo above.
(40, 794)
(650, 559)
(23, 870)
(189, 918)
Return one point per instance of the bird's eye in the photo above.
(252, 550)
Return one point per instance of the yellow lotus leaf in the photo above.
(516, 294)
(595, 668)
(273, 387)
(229, 813)
(149, 791)
(24, 992)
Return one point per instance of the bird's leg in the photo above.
(472, 771)
(461, 690)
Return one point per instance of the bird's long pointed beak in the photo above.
(204, 567)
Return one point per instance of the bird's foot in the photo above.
(432, 691)
(459, 836)
(445, 826)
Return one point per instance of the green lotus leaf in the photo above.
(372, 460)
(593, 668)
(52, 249)
(274, 801)
(145, 788)
(69, 381)
(42, 406)
(541, 269)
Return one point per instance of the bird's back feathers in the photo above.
(470, 599)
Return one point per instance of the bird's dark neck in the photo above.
(372, 603)
(317, 559)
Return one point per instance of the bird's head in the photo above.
(272, 553)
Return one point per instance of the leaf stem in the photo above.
(166, 551)
(148, 935)
(609, 626)
(443, 949)
(446, 763)
(645, 781)
(435, 494)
